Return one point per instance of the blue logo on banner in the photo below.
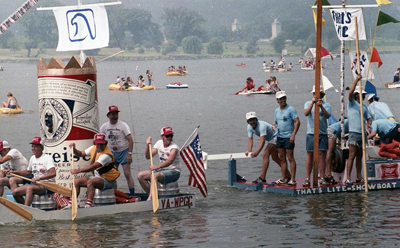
(81, 24)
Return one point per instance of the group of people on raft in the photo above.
(280, 137)
(180, 69)
(271, 84)
(128, 82)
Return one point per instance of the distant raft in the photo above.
(11, 111)
(177, 73)
(177, 85)
(116, 87)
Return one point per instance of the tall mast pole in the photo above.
(82, 54)
(317, 93)
(342, 107)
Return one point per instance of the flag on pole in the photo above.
(385, 18)
(325, 52)
(191, 154)
(315, 19)
(370, 88)
(375, 57)
(344, 20)
(380, 2)
(82, 27)
(325, 2)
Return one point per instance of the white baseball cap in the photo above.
(3, 145)
(369, 96)
(250, 115)
(357, 91)
(280, 94)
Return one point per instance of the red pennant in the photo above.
(325, 52)
(375, 57)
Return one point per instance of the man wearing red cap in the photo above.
(169, 169)
(119, 138)
(42, 167)
(101, 163)
(12, 160)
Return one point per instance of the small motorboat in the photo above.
(393, 85)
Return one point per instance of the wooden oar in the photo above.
(153, 185)
(65, 191)
(74, 208)
(16, 208)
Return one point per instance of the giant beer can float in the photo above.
(68, 111)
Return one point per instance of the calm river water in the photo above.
(228, 217)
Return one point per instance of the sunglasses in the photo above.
(169, 136)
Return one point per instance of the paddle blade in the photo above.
(154, 192)
(16, 208)
(65, 191)
(74, 204)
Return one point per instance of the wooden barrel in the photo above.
(338, 160)
(104, 197)
(168, 189)
(44, 202)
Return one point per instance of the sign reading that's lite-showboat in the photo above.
(344, 21)
(82, 27)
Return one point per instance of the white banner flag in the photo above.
(82, 28)
(344, 21)
(364, 65)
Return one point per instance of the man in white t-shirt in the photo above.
(11, 159)
(41, 166)
(101, 164)
(169, 168)
(119, 139)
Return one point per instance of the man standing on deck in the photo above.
(119, 138)
(324, 114)
(355, 136)
(288, 124)
(266, 133)
(12, 160)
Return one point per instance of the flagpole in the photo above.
(361, 112)
(342, 81)
(190, 137)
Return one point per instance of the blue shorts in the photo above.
(283, 143)
(120, 157)
(108, 185)
(169, 175)
(322, 144)
(23, 180)
(12, 106)
(355, 139)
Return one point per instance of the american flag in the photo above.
(193, 158)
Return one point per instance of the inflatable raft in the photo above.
(11, 111)
(177, 86)
(115, 87)
(246, 93)
(176, 73)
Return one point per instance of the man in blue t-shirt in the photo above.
(324, 114)
(288, 124)
(387, 130)
(267, 134)
(355, 135)
(378, 110)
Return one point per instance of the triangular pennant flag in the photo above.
(370, 88)
(315, 19)
(325, 52)
(327, 84)
(375, 57)
(324, 2)
(385, 18)
(380, 2)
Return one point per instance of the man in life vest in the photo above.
(249, 84)
(101, 165)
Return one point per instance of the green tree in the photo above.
(278, 43)
(169, 47)
(252, 47)
(15, 43)
(39, 29)
(181, 22)
(192, 45)
(215, 46)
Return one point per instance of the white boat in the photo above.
(249, 92)
(307, 68)
(392, 85)
(177, 86)
(165, 203)
(275, 69)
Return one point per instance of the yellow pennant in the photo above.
(380, 2)
(323, 20)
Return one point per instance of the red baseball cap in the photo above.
(99, 138)
(3, 145)
(112, 108)
(166, 131)
(37, 141)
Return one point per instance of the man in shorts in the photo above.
(169, 169)
(101, 163)
(324, 114)
(267, 134)
(119, 139)
(288, 124)
(355, 136)
(11, 160)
